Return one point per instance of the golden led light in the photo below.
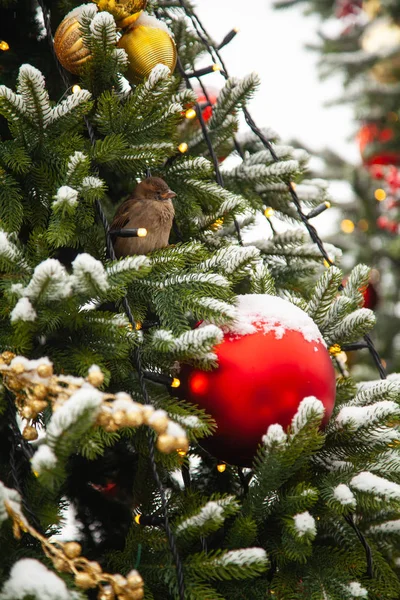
(175, 382)
(181, 452)
(190, 113)
(142, 232)
(380, 194)
(327, 204)
(268, 212)
(76, 88)
(221, 467)
(327, 265)
(292, 183)
(4, 46)
(236, 29)
(183, 147)
(137, 519)
(216, 67)
(138, 326)
(347, 226)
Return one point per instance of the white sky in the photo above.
(291, 97)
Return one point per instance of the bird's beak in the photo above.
(169, 194)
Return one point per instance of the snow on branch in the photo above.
(30, 578)
(343, 494)
(49, 279)
(23, 311)
(89, 275)
(356, 417)
(373, 484)
(10, 497)
(310, 409)
(304, 524)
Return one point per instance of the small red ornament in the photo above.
(267, 365)
(376, 145)
(370, 295)
(344, 8)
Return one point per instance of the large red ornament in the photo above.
(377, 145)
(370, 295)
(262, 376)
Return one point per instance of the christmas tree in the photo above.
(182, 389)
(359, 41)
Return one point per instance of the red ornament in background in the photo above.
(271, 361)
(374, 142)
(371, 297)
(206, 104)
(345, 8)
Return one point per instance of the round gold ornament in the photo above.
(147, 43)
(68, 42)
(125, 12)
(382, 36)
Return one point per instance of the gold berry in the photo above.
(166, 443)
(39, 405)
(96, 378)
(40, 391)
(61, 565)
(72, 549)
(160, 424)
(30, 433)
(18, 368)
(119, 417)
(134, 418)
(7, 356)
(107, 593)
(134, 579)
(95, 567)
(27, 412)
(85, 581)
(45, 370)
(103, 418)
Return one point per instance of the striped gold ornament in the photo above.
(147, 45)
(125, 12)
(68, 42)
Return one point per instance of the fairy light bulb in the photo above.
(183, 147)
(347, 226)
(216, 67)
(335, 350)
(175, 382)
(142, 232)
(221, 467)
(181, 452)
(76, 88)
(190, 113)
(380, 194)
(138, 326)
(4, 46)
(327, 204)
(137, 519)
(268, 212)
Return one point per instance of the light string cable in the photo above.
(136, 355)
(216, 57)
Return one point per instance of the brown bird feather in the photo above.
(150, 206)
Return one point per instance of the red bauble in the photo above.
(206, 104)
(344, 8)
(262, 376)
(371, 297)
(376, 145)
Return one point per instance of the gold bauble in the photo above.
(383, 35)
(147, 43)
(68, 42)
(371, 7)
(96, 378)
(125, 12)
(45, 370)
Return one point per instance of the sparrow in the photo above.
(149, 206)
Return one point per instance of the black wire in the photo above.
(368, 552)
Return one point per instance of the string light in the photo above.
(327, 264)
(347, 226)
(380, 194)
(181, 452)
(218, 223)
(137, 519)
(4, 46)
(142, 232)
(190, 113)
(76, 88)
(221, 467)
(268, 212)
(318, 210)
(175, 383)
(216, 67)
(183, 147)
(138, 326)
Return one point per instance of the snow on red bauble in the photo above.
(268, 362)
